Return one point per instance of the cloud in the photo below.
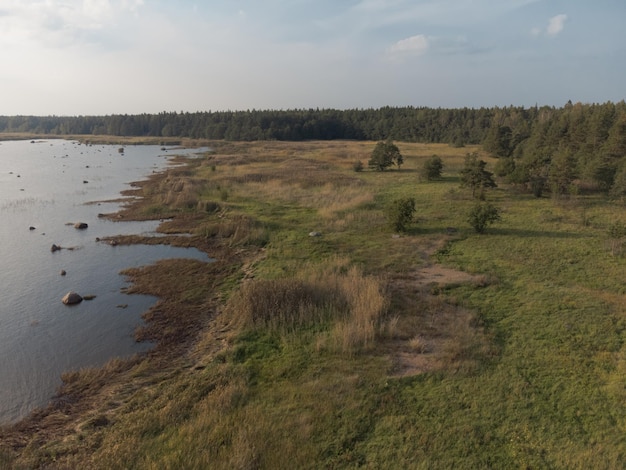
(414, 45)
(556, 24)
(60, 22)
(421, 44)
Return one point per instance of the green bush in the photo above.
(432, 168)
(482, 215)
(400, 213)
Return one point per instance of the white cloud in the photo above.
(556, 24)
(59, 22)
(414, 45)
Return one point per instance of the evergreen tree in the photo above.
(475, 176)
(562, 173)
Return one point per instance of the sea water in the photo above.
(45, 187)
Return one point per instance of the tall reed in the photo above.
(347, 306)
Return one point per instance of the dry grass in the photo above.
(236, 230)
(350, 306)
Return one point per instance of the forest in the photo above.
(540, 148)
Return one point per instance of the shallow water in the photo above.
(48, 185)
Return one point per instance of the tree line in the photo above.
(565, 150)
(408, 124)
(542, 148)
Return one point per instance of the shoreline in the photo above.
(105, 139)
(172, 323)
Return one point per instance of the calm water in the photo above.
(46, 185)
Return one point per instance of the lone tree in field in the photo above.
(384, 155)
(400, 213)
(482, 215)
(432, 168)
(474, 175)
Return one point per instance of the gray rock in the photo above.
(315, 234)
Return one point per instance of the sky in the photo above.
(101, 57)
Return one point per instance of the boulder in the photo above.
(54, 248)
(315, 234)
(62, 272)
(71, 298)
(31, 228)
(80, 225)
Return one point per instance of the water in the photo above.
(47, 185)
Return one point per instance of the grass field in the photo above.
(434, 348)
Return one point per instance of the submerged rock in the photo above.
(71, 298)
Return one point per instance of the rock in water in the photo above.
(71, 298)
(81, 225)
(54, 248)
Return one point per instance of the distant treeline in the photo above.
(403, 124)
(588, 141)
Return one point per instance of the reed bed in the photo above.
(347, 306)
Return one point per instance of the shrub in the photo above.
(400, 213)
(358, 166)
(482, 215)
(432, 168)
(617, 233)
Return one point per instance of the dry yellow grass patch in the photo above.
(352, 304)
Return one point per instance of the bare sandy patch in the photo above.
(432, 334)
(442, 276)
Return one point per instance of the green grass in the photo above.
(546, 391)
